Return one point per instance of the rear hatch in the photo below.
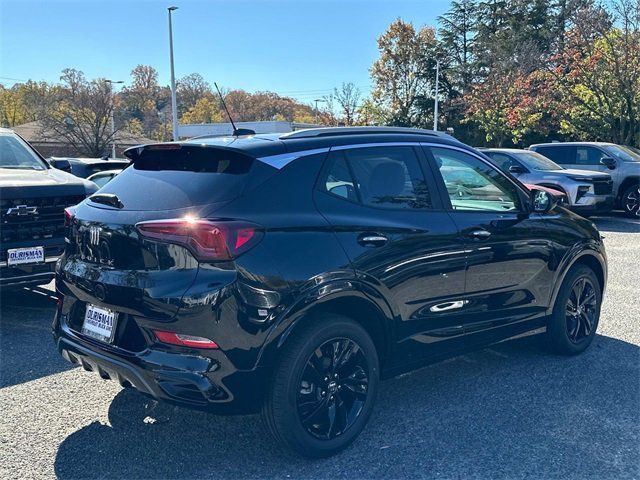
(112, 265)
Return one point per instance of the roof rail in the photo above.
(340, 131)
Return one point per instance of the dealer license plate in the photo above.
(99, 323)
(21, 256)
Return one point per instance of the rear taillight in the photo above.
(173, 338)
(207, 240)
(69, 215)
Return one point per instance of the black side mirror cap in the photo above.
(608, 162)
(60, 164)
(516, 169)
(542, 201)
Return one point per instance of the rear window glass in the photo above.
(172, 179)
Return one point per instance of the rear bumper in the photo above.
(189, 379)
(23, 275)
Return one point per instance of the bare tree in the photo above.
(348, 98)
(190, 89)
(81, 113)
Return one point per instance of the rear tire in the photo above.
(630, 200)
(576, 313)
(323, 388)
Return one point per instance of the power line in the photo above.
(14, 79)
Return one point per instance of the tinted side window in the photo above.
(589, 156)
(339, 180)
(389, 177)
(561, 155)
(501, 160)
(474, 185)
(382, 177)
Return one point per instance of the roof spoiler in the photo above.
(134, 152)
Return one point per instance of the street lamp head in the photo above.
(171, 9)
(114, 81)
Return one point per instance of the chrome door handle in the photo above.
(372, 240)
(480, 234)
(443, 307)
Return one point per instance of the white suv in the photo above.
(622, 163)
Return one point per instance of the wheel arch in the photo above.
(370, 311)
(590, 257)
(626, 183)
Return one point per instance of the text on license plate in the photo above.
(99, 323)
(19, 256)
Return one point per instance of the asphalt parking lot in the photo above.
(512, 411)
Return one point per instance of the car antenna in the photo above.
(236, 131)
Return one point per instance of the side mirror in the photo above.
(608, 162)
(60, 164)
(344, 191)
(542, 201)
(516, 169)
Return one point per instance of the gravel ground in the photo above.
(511, 411)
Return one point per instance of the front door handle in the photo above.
(479, 234)
(443, 307)
(372, 240)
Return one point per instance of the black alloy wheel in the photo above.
(581, 310)
(323, 387)
(333, 388)
(572, 325)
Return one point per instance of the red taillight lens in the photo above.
(173, 338)
(69, 214)
(208, 241)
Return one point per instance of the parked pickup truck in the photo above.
(33, 198)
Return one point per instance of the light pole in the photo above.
(317, 112)
(435, 105)
(113, 123)
(174, 101)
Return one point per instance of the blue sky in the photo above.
(299, 48)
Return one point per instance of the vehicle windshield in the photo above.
(536, 161)
(622, 153)
(15, 153)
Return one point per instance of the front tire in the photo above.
(324, 387)
(630, 200)
(576, 313)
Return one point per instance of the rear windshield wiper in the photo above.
(107, 199)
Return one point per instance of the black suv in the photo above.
(33, 197)
(289, 274)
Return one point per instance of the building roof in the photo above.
(33, 132)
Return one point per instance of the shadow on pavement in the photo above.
(27, 351)
(617, 222)
(509, 411)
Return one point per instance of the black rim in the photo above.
(581, 310)
(632, 200)
(333, 388)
